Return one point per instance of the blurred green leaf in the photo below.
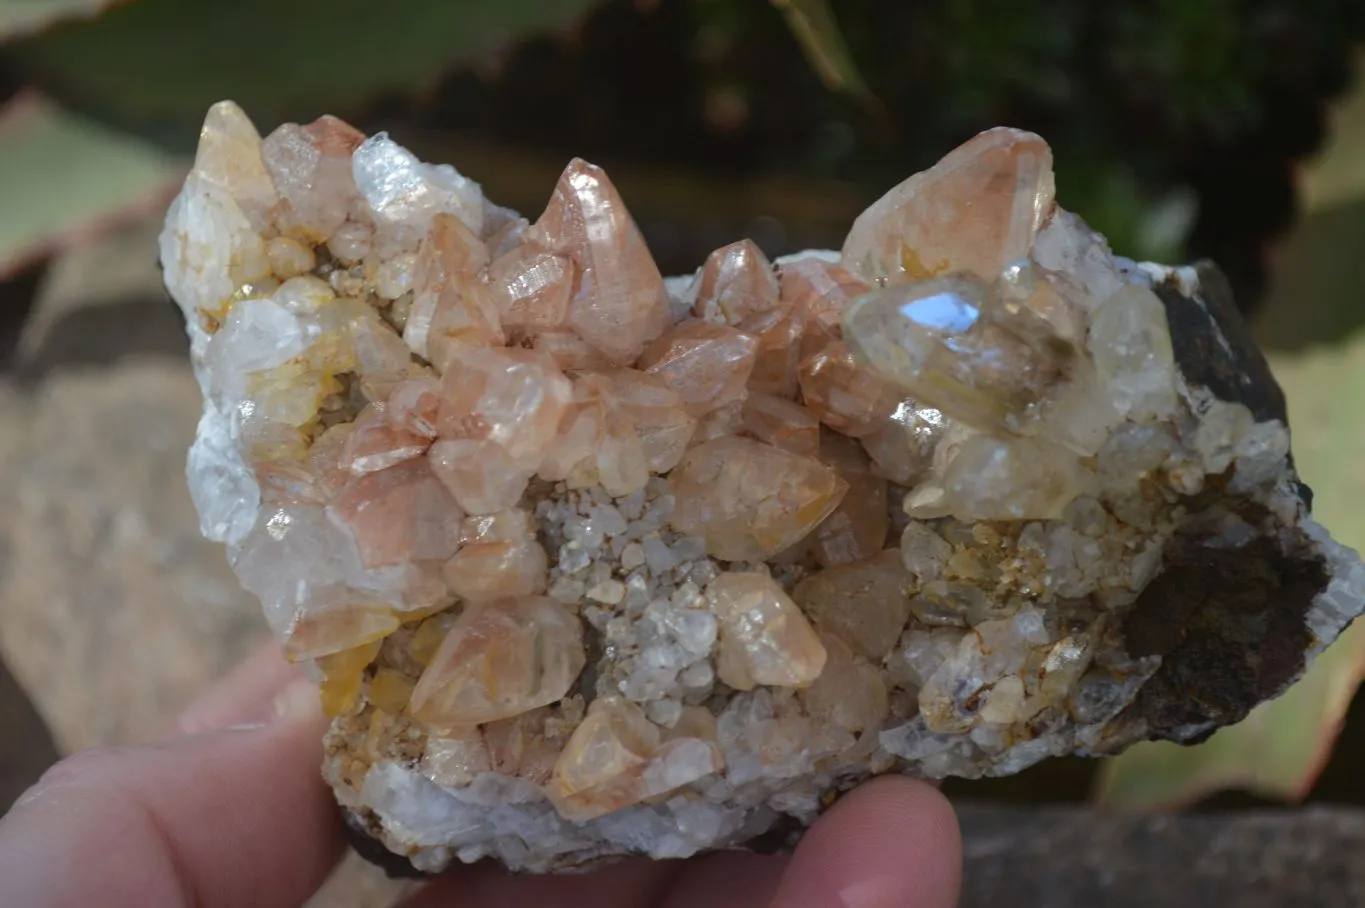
(1317, 294)
(1318, 291)
(1112, 200)
(1338, 176)
(170, 59)
(63, 178)
(813, 24)
(1279, 750)
(19, 18)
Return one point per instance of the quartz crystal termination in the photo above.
(593, 563)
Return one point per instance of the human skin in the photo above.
(228, 810)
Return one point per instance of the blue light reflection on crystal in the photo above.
(945, 312)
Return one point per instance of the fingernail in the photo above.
(298, 702)
(877, 892)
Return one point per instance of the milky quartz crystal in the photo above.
(589, 563)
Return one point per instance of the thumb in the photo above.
(237, 817)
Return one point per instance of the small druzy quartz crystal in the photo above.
(592, 563)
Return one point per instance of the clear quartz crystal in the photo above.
(952, 344)
(1015, 479)
(401, 190)
(902, 448)
(590, 563)
(1131, 345)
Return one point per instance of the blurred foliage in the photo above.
(162, 61)
(1337, 177)
(19, 18)
(148, 69)
(817, 31)
(1175, 124)
(105, 177)
(1318, 292)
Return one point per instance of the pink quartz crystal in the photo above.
(618, 303)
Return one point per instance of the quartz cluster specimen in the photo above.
(593, 563)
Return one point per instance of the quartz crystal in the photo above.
(750, 500)
(618, 757)
(500, 659)
(707, 364)
(618, 303)
(499, 556)
(949, 343)
(589, 563)
(764, 638)
(848, 396)
(974, 211)
(736, 285)
(781, 423)
(856, 529)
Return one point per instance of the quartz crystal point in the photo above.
(592, 564)
(974, 211)
(618, 302)
(750, 500)
(737, 284)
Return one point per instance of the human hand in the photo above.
(231, 811)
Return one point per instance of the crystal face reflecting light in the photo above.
(946, 313)
(591, 563)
